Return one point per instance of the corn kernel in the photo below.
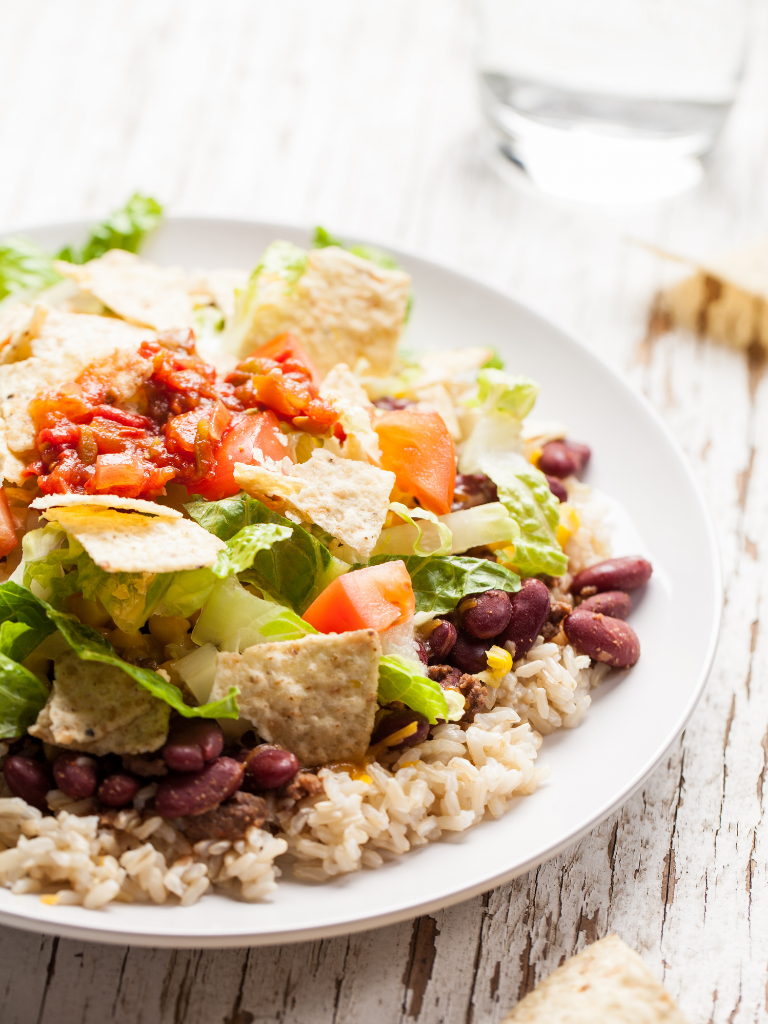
(569, 523)
(499, 662)
(535, 456)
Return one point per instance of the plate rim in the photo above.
(303, 933)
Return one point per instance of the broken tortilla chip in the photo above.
(130, 542)
(98, 709)
(315, 696)
(135, 289)
(105, 501)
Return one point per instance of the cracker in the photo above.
(341, 308)
(135, 289)
(315, 696)
(607, 982)
(130, 542)
(105, 501)
(98, 709)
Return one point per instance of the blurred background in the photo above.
(368, 118)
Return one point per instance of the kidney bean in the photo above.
(557, 460)
(28, 779)
(530, 608)
(76, 775)
(626, 573)
(557, 488)
(118, 790)
(192, 743)
(602, 638)
(389, 403)
(469, 654)
(484, 615)
(269, 767)
(183, 793)
(614, 603)
(472, 489)
(397, 720)
(421, 650)
(440, 641)
(582, 452)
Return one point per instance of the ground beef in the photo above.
(481, 552)
(303, 784)
(146, 766)
(229, 820)
(472, 690)
(558, 610)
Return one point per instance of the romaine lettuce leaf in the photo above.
(440, 581)
(233, 619)
(22, 696)
(20, 608)
(292, 572)
(506, 393)
(400, 680)
(524, 490)
(24, 268)
(406, 538)
(241, 549)
(124, 229)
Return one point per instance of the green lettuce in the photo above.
(18, 607)
(400, 680)
(440, 581)
(499, 392)
(293, 572)
(233, 619)
(22, 696)
(125, 229)
(25, 268)
(89, 645)
(524, 490)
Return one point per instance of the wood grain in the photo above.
(364, 117)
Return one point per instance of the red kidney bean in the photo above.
(28, 779)
(582, 452)
(389, 724)
(472, 489)
(557, 488)
(530, 608)
(602, 638)
(440, 641)
(192, 743)
(118, 790)
(614, 603)
(269, 767)
(76, 775)
(626, 573)
(484, 615)
(557, 460)
(421, 650)
(182, 793)
(469, 654)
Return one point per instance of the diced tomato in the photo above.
(245, 435)
(8, 539)
(287, 347)
(418, 449)
(376, 597)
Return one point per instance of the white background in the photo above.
(363, 116)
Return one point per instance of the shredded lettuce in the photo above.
(125, 229)
(22, 697)
(502, 401)
(406, 539)
(20, 608)
(401, 680)
(440, 581)
(451, 533)
(293, 572)
(499, 392)
(524, 490)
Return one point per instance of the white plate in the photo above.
(633, 719)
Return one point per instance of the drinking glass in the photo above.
(610, 100)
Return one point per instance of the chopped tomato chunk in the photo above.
(418, 449)
(376, 597)
(8, 539)
(258, 432)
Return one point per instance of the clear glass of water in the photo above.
(610, 100)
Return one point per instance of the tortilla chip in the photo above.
(343, 388)
(135, 289)
(218, 288)
(98, 709)
(607, 982)
(105, 501)
(65, 345)
(342, 307)
(315, 696)
(130, 542)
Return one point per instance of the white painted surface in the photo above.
(363, 117)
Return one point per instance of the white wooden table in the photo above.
(363, 117)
